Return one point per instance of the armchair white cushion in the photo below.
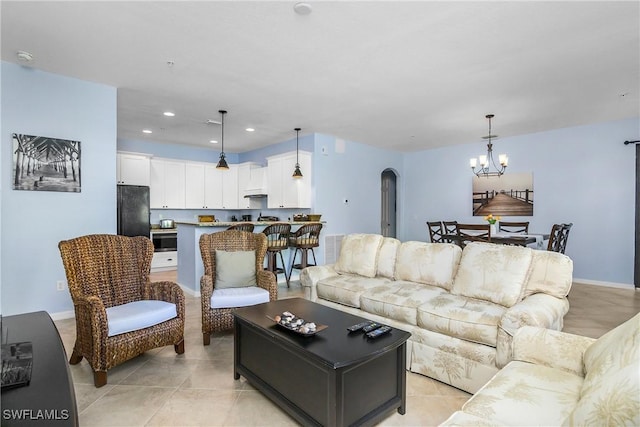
(238, 297)
(138, 315)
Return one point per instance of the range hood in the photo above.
(257, 188)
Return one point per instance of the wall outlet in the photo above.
(61, 285)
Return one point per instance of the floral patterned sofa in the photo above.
(562, 379)
(462, 307)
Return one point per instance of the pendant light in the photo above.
(297, 173)
(486, 161)
(222, 163)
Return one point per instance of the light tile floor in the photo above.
(160, 388)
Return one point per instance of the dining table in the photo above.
(535, 240)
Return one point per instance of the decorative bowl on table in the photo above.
(293, 323)
(314, 217)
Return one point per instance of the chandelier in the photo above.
(487, 161)
(222, 163)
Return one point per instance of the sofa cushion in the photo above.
(461, 317)
(398, 300)
(551, 273)
(387, 257)
(611, 389)
(346, 288)
(525, 394)
(359, 254)
(429, 263)
(138, 315)
(490, 272)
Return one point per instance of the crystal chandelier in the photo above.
(487, 161)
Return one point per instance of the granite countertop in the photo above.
(229, 223)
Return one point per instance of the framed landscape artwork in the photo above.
(42, 163)
(508, 195)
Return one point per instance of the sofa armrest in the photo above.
(551, 348)
(541, 310)
(310, 276)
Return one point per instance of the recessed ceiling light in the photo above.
(146, 131)
(250, 129)
(169, 114)
(213, 141)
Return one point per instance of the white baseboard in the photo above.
(63, 315)
(187, 290)
(606, 284)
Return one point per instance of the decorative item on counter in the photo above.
(300, 217)
(314, 217)
(206, 218)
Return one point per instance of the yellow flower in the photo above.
(492, 219)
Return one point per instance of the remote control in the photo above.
(380, 331)
(371, 327)
(359, 326)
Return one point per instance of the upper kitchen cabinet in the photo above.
(133, 169)
(167, 184)
(283, 190)
(210, 188)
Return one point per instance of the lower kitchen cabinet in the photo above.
(164, 261)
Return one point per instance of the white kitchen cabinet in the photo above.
(162, 261)
(210, 188)
(133, 169)
(284, 191)
(167, 184)
(194, 186)
(229, 179)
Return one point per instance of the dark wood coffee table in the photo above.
(330, 379)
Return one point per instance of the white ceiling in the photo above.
(401, 75)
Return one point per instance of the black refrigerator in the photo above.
(133, 210)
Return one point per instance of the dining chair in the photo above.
(242, 226)
(303, 240)
(119, 312)
(468, 233)
(558, 237)
(449, 228)
(435, 231)
(277, 241)
(514, 227)
(233, 277)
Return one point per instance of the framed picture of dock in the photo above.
(508, 195)
(41, 163)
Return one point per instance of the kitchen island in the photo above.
(190, 268)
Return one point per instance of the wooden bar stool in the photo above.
(242, 226)
(277, 241)
(304, 240)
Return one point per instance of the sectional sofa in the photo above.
(462, 307)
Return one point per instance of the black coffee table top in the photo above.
(334, 346)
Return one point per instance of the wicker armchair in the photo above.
(105, 271)
(219, 319)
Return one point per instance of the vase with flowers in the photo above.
(492, 220)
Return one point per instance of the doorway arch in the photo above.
(389, 197)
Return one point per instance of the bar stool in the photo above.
(304, 240)
(242, 226)
(277, 241)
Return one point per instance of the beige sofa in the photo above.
(562, 379)
(462, 308)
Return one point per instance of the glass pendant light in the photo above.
(297, 173)
(222, 163)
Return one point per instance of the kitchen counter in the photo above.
(190, 268)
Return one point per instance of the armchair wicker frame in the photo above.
(103, 271)
(219, 319)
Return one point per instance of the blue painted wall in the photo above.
(33, 222)
(584, 175)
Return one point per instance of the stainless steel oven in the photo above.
(164, 241)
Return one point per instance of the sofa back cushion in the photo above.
(430, 263)
(551, 273)
(610, 391)
(359, 254)
(387, 258)
(491, 272)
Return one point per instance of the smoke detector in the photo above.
(302, 8)
(24, 56)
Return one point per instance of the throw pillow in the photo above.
(235, 269)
